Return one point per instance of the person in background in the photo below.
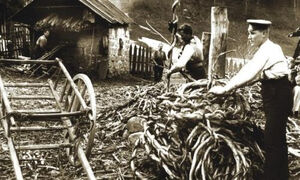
(190, 60)
(41, 45)
(270, 67)
(296, 92)
(159, 58)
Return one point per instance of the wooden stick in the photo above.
(38, 128)
(26, 85)
(30, 97)
(6, 102)
(43, 146)
(73, 85)
(18, 61)
(55, 95)
(12, 152)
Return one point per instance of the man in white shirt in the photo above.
(41, 45)
(191, 55)
(269, 66)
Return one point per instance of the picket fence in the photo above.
(14, 43)
(140, 63)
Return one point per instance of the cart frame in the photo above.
(73, 106)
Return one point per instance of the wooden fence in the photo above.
(15, 42)
(233, 65)
(140, 63)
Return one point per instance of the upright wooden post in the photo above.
(151, 64)
(219, 29)
(130, 59)
(134, 65)
(139, 60)
(143, 61)
(147, 62)
(206, 42)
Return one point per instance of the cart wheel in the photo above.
(84, 126)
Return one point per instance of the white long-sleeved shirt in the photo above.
(268, 62)
(191, 51)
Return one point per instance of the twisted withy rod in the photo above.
(173, 28)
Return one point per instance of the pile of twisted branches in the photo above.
(192, 134)
(202, 136)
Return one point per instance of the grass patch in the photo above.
(197, 13)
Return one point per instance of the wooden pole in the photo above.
(73, 85)
(143, 61)
(21, 61)
(206, 43)
(134, 67)
(130, 59)
(219, 29)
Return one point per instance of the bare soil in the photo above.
(111, 152)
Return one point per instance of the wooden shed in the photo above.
(95, 33)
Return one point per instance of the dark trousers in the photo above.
(277, 102)
(158, 72)
(196, 71)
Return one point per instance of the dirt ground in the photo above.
(111, 153)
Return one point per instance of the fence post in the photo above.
(146, 63)
(139, 61)
(130, 59)
(143, 61)
(206, 43)
(134, 60)
(219, 29)
(151, 66)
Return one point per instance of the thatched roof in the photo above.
(55, 21)
(108, 11)
(40, 11)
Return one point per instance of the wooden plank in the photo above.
(18, 61)
(130, 59)
(134, 59)
(139, 61)
(6, 102)
(26, 85)
(31, 97)
(73, 85)
(12, 151)
(219, 30)
(38, 128)
(26, 111)
(143, 61)
(206, 44)
(150, 57)
(147, 62)
(43, 146)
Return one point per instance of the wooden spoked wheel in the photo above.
(84, 126)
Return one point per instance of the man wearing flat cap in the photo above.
(270, 67)
(190, 60)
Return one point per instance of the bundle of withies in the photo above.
(192, 134)
(197, 135)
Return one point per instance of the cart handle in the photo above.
(73, 85)
(30, 61)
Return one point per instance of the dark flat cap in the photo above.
(186, 29)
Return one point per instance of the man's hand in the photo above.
(217, 90)
(168, 74)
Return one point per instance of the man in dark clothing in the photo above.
(158, 58)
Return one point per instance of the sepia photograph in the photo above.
(150, 89)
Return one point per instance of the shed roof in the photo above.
(104, 8)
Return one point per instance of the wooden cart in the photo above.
(74, 114)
